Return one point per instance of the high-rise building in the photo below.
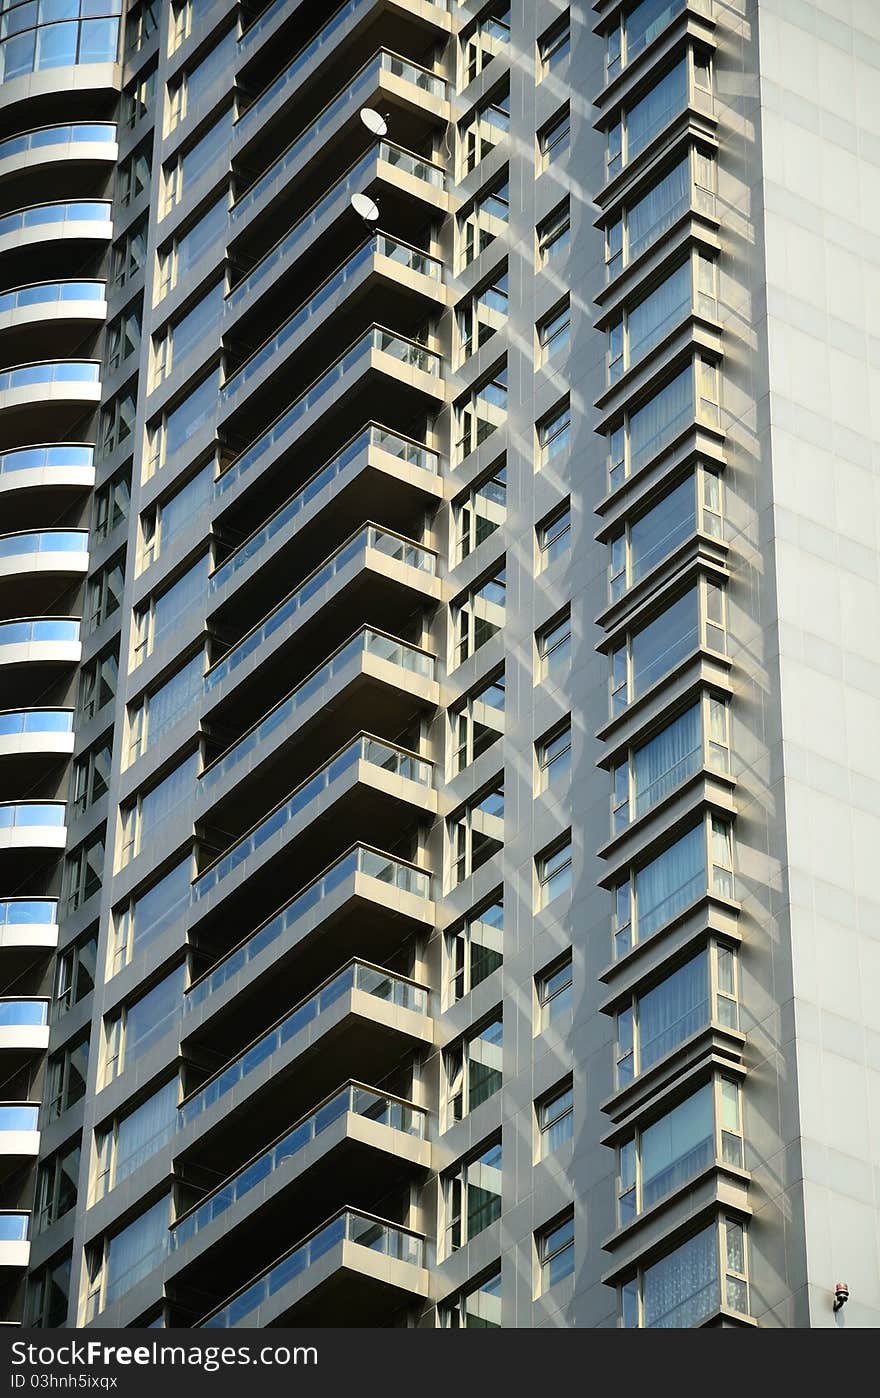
(439, 663)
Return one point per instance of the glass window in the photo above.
(74, 975)
(554, 536)
(196, 330)
(142, 820)
(554, 644)
(652, 536)
(166, 611)
(554, 873)
(664, 1155)
(647, 655)
(189, 166)
(190, 88)
(475, 949)
(477, 722)
(476, 833)
(641, 122)
(486, 219)
(174, 431)
(66, 1075)
(56, 1186)
(149, 914)
(480, 511)
(487, 124)
(489, 36)
(473, 1070)
(555, 992)
(684, 1288)
(127, 1143)
(191, 249)
(641, 327)
(119, 1263)
(134, 1029)
(84, 872)
(472, 1196)
(174, 516)
(159, 711)
(554, 45)
(91, 776)
(105, 590)
(556, 1119)
(554, 332)
(48, 1294)
(554, 138)
(481, 412)
(476, 1308)
(656, 768)
(554, 233)
(661, 889)
(556, 1251)
(554, 757)
(482, 314)
(479, 615)
(554, 433)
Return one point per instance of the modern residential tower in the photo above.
(439, 663)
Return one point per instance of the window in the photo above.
(114, 1265)
(130, 253)
(487, 218)
(133, 1030)
(175, 429)
(188, 89)
(554, 756)
(141, 23)
(56, 1186)
(554, 138)
(476, 833)
(556, 1119)
(687, 1286)
(489, 36)
(479, 615)
(554, 873)
(196, 330)
(98, 682)
(188, 167)
(84, 872)
(158, 712)
(481, 412)
(482, 314)
(48, 1294)
(476, 1308)
(133, 173)
(554, 433)
(91, 775)
(481, 131)
(104, 593)
(477, 722)
(147, 915)
(191, 249)
(179, 24)
(666, 1153)
(554, 989)
(554, 332)
(647, 431)
(117, 421)
(66, 1074)
(480, 511)
(163, 613)
(649, 537)
(554, 233)
(554, 536)
(644, 657)
(634, 29)
(112, 504)
(690, 184)
(129, 1141)
(124, 336)
(680, 1005)
(174, 516)
(475, 949)
(554, 46)
(472, 1196)
(644, 324)
(696, 738)
(698, 863)
(637, 125)
(138, 98)
(554, 644)
(142, 820)
(74, 975)
(473, 1070)
(555, 1245)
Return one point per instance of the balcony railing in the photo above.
(382, 246)
(77, 133)
(352, 179)
(24, 1012)
(354, 1098)
(50, 371)
(16, 633)
(366, 642)
(364, 749)
(52, 293)
(74, 211)
(15, 815)
(361, 860)
(358, 975)
(376, 339)
(351, 98)
(413, 453)
(15, 1117)
(28, 912)
(14, 1228)
(42, 458)
(44, 541)
(348, 1226)
(34, 721)
(381, 540)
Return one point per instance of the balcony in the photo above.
(28, 391)
(32, 825)
(69, 311)
(24, 1027)
(40, 641)
(363, 1016)
(27, 924)
(14, 1246)
(62, 467)
(57, 552)
(26, 234)
(81, 58)
(69, 144)
(19, 1136)
(357, 1268)
(31, 741)
(359, 1144)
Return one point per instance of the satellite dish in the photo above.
(365, 206)
(374, 121)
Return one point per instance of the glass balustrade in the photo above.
(76, 133)
(28, 912)
(359, 975)
(19, 814)
(385, 1238)
(14, 1228)
(49, 372)
(391, 545)
(35, 721)
(358, 1100)
(413, 453)
(44, 541)
(74, 211)
(361, 860)
(43, 458)
(363, 749)
(23, 1012)
(15, 1117)
(366, 642)
(52, 293)
(16, 633)
(376, 339)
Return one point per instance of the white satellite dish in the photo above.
(374, 121)
(365, 206)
